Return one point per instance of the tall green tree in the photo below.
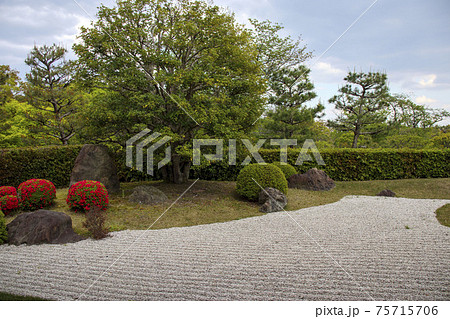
(404, 112)
(9, 80)
(362, 104)
(277, 52)
(182, 68)
(49, 89)
(291, 89)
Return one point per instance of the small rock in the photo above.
(42, 227)
(94, 163)
(272, 200)
(386, 193)
(147, 195)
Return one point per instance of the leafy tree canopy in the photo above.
(183, 68)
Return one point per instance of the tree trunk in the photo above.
(177, 171)
(355, 140)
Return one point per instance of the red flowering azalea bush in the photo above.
(36, 193)
(9, 203)
(85, 195)
(7, 190)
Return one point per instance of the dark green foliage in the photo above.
(3, 232)
(253, 177)
(51, 163)
(287, 169)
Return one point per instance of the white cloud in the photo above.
(326, 72)
(428, 80)
(327, 68)
(425, 100)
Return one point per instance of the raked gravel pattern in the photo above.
(359, 248)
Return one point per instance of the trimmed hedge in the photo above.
(56, 163)
(352, 164)
(53, 163)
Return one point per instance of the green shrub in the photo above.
(287, 169)
(3, 231)
(267, 175)
(36, 194)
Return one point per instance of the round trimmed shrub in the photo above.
(9, 203)
(36, 194)
(3, 231)
(266, 175)
(287, 169)
(87, 194)
(7, 190)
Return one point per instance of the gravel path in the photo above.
(263, 258)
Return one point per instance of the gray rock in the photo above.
(386, 193)
(42, 227)
(147, 195)
(94, 163)
(313, 180)
(272, 200)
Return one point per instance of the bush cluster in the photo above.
(7, 190)
(8, 204)
(36, 194)
(287, 169)
(87, 194)
(254, 177)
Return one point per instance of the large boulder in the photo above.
(272, 200)
(42, 227)
(313, 180)
(147, 195)
(94, 163)
(386, 193)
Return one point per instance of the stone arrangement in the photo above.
(42, 227)
(94, 163)
(386, 193)
(147, 195)
(272, 200)
(313, 180)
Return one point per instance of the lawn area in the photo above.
(8, 297)
(443, 215)
(212, 202)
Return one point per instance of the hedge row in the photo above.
(350, 164)
(55, 164)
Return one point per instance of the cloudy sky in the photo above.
(407, 39)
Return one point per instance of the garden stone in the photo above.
(386, 193)
(313, 180)
(147, 195)
(42, 227)
(272, 200)
(94, 163)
